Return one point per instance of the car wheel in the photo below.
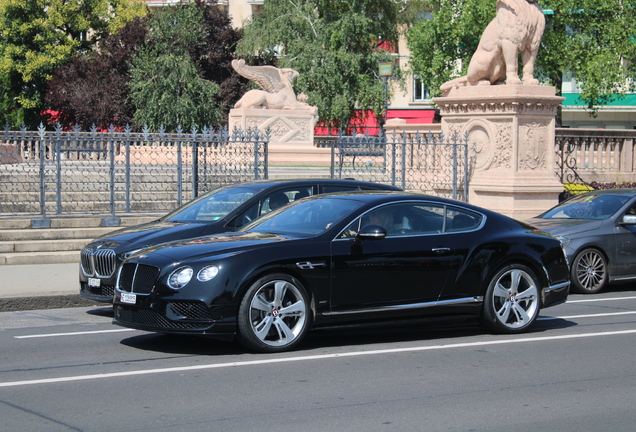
(274, 314)
(589, 272)
(511, 304)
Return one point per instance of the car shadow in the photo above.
(106, 311)
(333, 338)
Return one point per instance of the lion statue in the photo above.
(277, 92)
(518, 26)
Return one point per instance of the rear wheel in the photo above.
(274, 314)
(511, 303)
(589, 272)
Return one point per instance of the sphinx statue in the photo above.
(277, 92)
(518, 26)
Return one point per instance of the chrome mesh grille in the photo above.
(149, 318)
(137, 278)
(189, 310)
(98, 262)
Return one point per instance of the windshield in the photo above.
(306, 218)
(213, 206)
(591, 207)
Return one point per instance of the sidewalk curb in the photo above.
(15, 304)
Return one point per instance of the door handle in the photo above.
(441, 250)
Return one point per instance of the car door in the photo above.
(625, 247)
(402, 271)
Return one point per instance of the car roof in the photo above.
(263, 184)
(379, 197)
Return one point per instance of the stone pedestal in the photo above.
(285, 126)
(291, 134)
(511, 134)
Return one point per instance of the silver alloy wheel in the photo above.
(589, 271)
(515, 299)
(277, 313)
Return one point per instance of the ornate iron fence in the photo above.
(429, 163)
(63, 172)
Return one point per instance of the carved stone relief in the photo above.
(532, 146)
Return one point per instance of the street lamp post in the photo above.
(385, 70)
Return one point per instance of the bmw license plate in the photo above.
(128, 298)
(94, 282)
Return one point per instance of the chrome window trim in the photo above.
(467, 300)
(446, 206)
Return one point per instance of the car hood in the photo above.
(203, 247)
(151, 233)
(564, 227)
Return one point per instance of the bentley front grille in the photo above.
(137, 278)
(98, 262)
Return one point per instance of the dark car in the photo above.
(343, 260)
(598, 230)
(224, 209)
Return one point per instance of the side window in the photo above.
(271, 202)
(397, 219)
(461, 220)
(283, 197)
(416, 219)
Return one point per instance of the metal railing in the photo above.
(428, 163)
(603, 155)
(62, 172)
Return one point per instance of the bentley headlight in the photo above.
(180, 277)
(207, 273)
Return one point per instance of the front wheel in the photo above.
(511, 303)
(274, 314)
(589, 272)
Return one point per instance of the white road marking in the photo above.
(71, 333)
(306, 358)
(586, 316)
(600, 299)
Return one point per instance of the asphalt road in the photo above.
(72, 370)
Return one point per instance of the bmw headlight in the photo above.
(180, 277)
(207, 273)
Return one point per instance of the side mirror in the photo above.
(629, 220)
(372, 232)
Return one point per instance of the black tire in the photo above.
(588, 272)
(274, 314)
(512, 300)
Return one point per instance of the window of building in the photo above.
(420, 90)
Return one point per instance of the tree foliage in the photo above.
(335, 45)
(593, 40)
(92, 89)
(166, 82)
(37, 36)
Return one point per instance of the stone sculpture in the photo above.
(277, 92)
(518, 26)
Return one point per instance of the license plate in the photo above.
(128, 298)
(94, 282)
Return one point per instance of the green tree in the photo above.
(166, 84)
(37, 36)
(592, 40)
(335, 45)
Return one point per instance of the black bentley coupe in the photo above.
(345, 259)
(221, 210)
